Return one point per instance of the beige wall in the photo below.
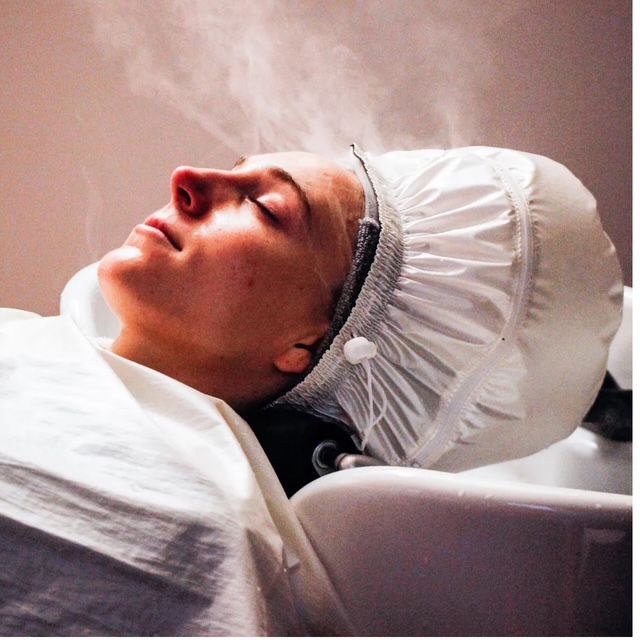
(89, 135)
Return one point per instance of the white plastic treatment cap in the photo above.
(492, 298)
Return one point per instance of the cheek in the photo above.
(220, 283)
(257, 286)
(233, 268)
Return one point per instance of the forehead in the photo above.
(314, 170)
(299, 159)
(326, 183)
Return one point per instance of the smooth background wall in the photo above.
(101, 100)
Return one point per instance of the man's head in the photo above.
(238, 275)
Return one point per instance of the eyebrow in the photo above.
(285, 176)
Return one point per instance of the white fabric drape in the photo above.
(131, 504)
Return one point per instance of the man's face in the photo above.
(241, 263)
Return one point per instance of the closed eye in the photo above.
(268, 212)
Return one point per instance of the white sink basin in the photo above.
(414, 552)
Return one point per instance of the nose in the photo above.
(193, 191)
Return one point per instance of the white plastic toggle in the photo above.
(359, 349)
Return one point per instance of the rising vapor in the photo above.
(278, 75)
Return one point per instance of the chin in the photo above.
(139, 290)
(119, 278)
(108, 280)
(117, 263)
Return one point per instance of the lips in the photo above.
(166, 229)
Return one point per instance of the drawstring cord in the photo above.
(359, 350)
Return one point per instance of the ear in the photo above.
(297, 358)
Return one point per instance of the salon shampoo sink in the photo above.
(414, 552)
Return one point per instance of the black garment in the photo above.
(289, 439)
(611, 413)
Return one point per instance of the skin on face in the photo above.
(231, 286)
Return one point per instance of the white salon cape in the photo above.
(131, 504)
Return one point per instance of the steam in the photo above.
(267, 75)
(252, 74)
(274, 75)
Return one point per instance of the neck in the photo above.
(214, 376)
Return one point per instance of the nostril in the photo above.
(184, 196)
